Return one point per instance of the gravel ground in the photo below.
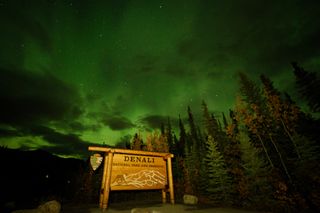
(154, 208)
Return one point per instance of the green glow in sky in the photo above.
(79, 72)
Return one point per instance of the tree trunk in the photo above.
(281, 159)
(265, 150)
(291, 138)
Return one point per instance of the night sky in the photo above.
(75, 73)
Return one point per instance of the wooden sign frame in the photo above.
(136, 155)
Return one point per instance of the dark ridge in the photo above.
(31, 177)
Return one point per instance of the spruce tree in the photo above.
(182, 182)
(250, 91)
(219, 182)
(175, 144)
(180, 146)
(212, 127)
(203, 175)
(168, 135)
(225, 122)
(257, 189)
(250, 122)
(234, 122)
(308, 85)
(284, 115)
(232, 156)
(149, 143)
(192, 125)
(259, 122)
(189, 171)
(136, 143)
(193, 162)
(250, 109)
(193, 154)
(162, 128)
(160, 142)
(307, 171)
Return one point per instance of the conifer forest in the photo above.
(263, 155)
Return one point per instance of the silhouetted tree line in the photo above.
(29, 178)
(264, 155)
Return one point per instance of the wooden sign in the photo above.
(135, 170)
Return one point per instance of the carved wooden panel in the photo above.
(137, 172)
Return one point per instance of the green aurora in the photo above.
(76, 73)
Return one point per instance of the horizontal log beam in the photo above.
(129, 151)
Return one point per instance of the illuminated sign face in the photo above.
(134, 172)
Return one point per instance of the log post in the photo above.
(164, 196)
(106, 189)
(104, 175)
(170, 177)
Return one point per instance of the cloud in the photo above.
(66, 144)
(59, 143)
(80, 127)
(8, 132)
(36, 98)
(34, 104)
(117, 122)
(155, 121)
